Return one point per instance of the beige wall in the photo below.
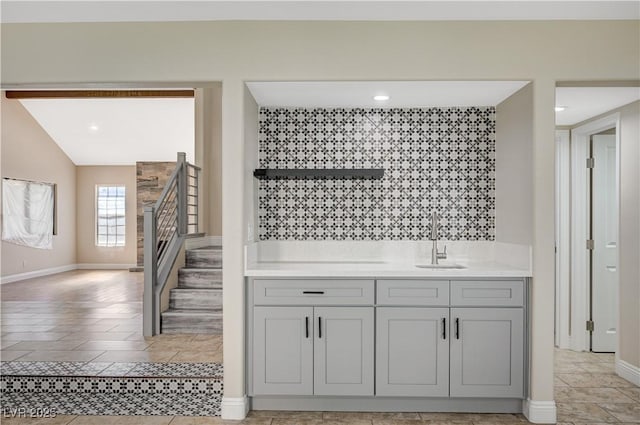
(629, 243)
(251, 163)
(22, 136)
(514, 179)
(208, 156)
(629, 248)
(87, 177)
(234, 52)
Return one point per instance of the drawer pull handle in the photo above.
(444, 328)
(319, 327)
(313, 292)
(306, 326)
(457, 328)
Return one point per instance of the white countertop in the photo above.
(384, 259)
(373, 269)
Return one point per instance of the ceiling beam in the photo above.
(83, 94)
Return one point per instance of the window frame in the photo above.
(97, 210)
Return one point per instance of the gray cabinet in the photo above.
(283, 350)
(487, 352)
(407, 338)
(412, 352)
(343, 351)
(412, 292)
(498, 293)
(313, 351)
(313, 291)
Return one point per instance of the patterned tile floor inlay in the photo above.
(134, 404)
(111, 369)
(77, 388)
(113, 385)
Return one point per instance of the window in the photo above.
(28, 210)
(110, 222)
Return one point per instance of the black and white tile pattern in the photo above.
(78, 384)
(116, 404)
(77, 388)
(440, 159)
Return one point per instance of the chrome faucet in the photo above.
(435, 254)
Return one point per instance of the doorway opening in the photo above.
(84, 325)
(587, 205)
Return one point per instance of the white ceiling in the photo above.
(380, 10)
(583, 103)
(401, 93)
(121, 131)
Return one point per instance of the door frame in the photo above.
(563, 240)
(578, 307)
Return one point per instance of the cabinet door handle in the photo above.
(306, 326)
(457, 328)
(319, 327)
(313, 292)
(444, 328)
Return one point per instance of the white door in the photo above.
(604, 260)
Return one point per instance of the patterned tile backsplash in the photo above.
(440, 159)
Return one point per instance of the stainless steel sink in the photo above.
(441, 266)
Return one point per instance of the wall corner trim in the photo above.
(234, 408)
(539, 412)
(628, 371)
(37, 273)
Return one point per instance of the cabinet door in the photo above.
(283, 350)
(487, 352)
(343, 351)
(412, 352)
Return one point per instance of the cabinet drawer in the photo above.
(507, 293)
(313, 292)
(413, 292)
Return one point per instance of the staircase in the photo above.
(195, 306)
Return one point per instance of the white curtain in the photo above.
(27, 213)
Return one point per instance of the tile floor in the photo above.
(97, 312)
(89, 316)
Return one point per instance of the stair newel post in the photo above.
(150, 307)
(182, 193)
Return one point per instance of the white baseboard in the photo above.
(539, 412)
(104, 266)
(69, 267)
(234, 408)
(37, 273)
(628, 371)
(195, 243)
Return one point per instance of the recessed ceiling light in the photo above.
(93, 127)
(560, 108)
(380, 97)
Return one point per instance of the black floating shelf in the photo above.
(336, 173)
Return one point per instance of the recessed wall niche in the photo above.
(435, 159)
